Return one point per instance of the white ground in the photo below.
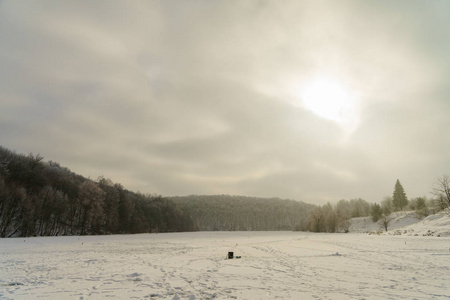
(283, 265)
(406, 222)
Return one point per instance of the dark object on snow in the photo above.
(230, 255)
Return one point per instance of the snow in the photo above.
(407, 222)
(436, 225)
(398, 220)
(284, 265)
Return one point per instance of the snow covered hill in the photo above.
(406, 222)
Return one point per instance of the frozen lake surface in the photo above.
(273, 265)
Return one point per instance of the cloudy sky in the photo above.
(308, 100)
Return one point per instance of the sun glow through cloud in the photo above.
(328, 99)
(184, 97)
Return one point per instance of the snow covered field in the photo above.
(283, 265)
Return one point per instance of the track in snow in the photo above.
(274, 265)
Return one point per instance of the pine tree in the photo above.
(376, 212)
(399, 199)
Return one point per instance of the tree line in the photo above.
(421, 205)
(241, 213)
(336, 218)
(40, 198)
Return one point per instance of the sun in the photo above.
(329, 99)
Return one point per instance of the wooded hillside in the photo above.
(224, 212)
(40, 198)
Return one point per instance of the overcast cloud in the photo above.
(205, 97)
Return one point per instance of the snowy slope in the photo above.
(406, 223)
(434, 225)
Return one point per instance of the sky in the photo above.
(314, 101)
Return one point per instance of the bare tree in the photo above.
(384, 222)
(441, 189)
(316, 220)
(386, 205)
(92, 200)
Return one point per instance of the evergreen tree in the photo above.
(399, 199)
(421, 207)
(377, 212)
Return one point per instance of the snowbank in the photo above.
(406, 222)
(434, 225)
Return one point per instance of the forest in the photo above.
(39, 198)
(225, 212)
(229, 213)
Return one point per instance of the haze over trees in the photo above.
(335, 218)
(225, 212)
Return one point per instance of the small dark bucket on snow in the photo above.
(230, 255)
